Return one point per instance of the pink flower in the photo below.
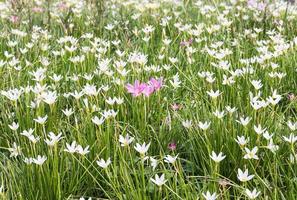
(261, 6)
(37, 9)
(62, 6)
(175, 107)
(172, 146)
(186, 43)
(252, 3)
(291, 97)
(148, 90)
(136, 89)
(156, 83)
(14, 19)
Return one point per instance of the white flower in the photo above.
(241, 140)
(102, 163)
(209, 196)
(90, 90)
(142, 149)
(13, 94)
(230, 109)
(82, 151)
(98, 121)
(275, 98)
(14, 126)
(53, 139)
(292, 126)
(204, 126)
(214, 94)
(68, 112)
(170, 159)
(257, 84)
(27, 133)
(267, 136)
(39, 160)
(259, 130)
(219, 114)
(41, 120)
(244, 176)
(49, 97)
(28, 160)
(15, 150)
(244, 121)
(159, 181)
(125, 141)
(252, 194)
(251, 154)
(291, 139)
(154, 163)
(272, 147)
(217, 158)
(71, 148)
(175, 82)
(82, 198)
(187, 123)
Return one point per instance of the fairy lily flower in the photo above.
(14, 126)
(39, 160)
(231, 109)
(102, 163)
(28, 161)
(259, 130)
(242, 141)
(244, 121)
(49, 97)
(291, 139)
(268, 135)
(98, 121)
(244, 176)
(71, 148)
(175, 82)
(12, 94)
(142, 149)
(41, 120)
(219, 114)
(156, 83)
(251, 154)
(257, 84)
(252, 194)
(53, 139)
(82, 151)
(136, 89)
(154, 163)
(292, 126)
(209, 196)
(172, 146)
(214, 94)
(159, 181)
(125, 141)
(170, 159)
(68, 112)
(204, 126)
(187, 123)
(175, 107)
(15, 150)
(148, 90)
(217, 158)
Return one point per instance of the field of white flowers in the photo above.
(148, 99)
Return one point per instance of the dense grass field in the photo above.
(147, 99)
